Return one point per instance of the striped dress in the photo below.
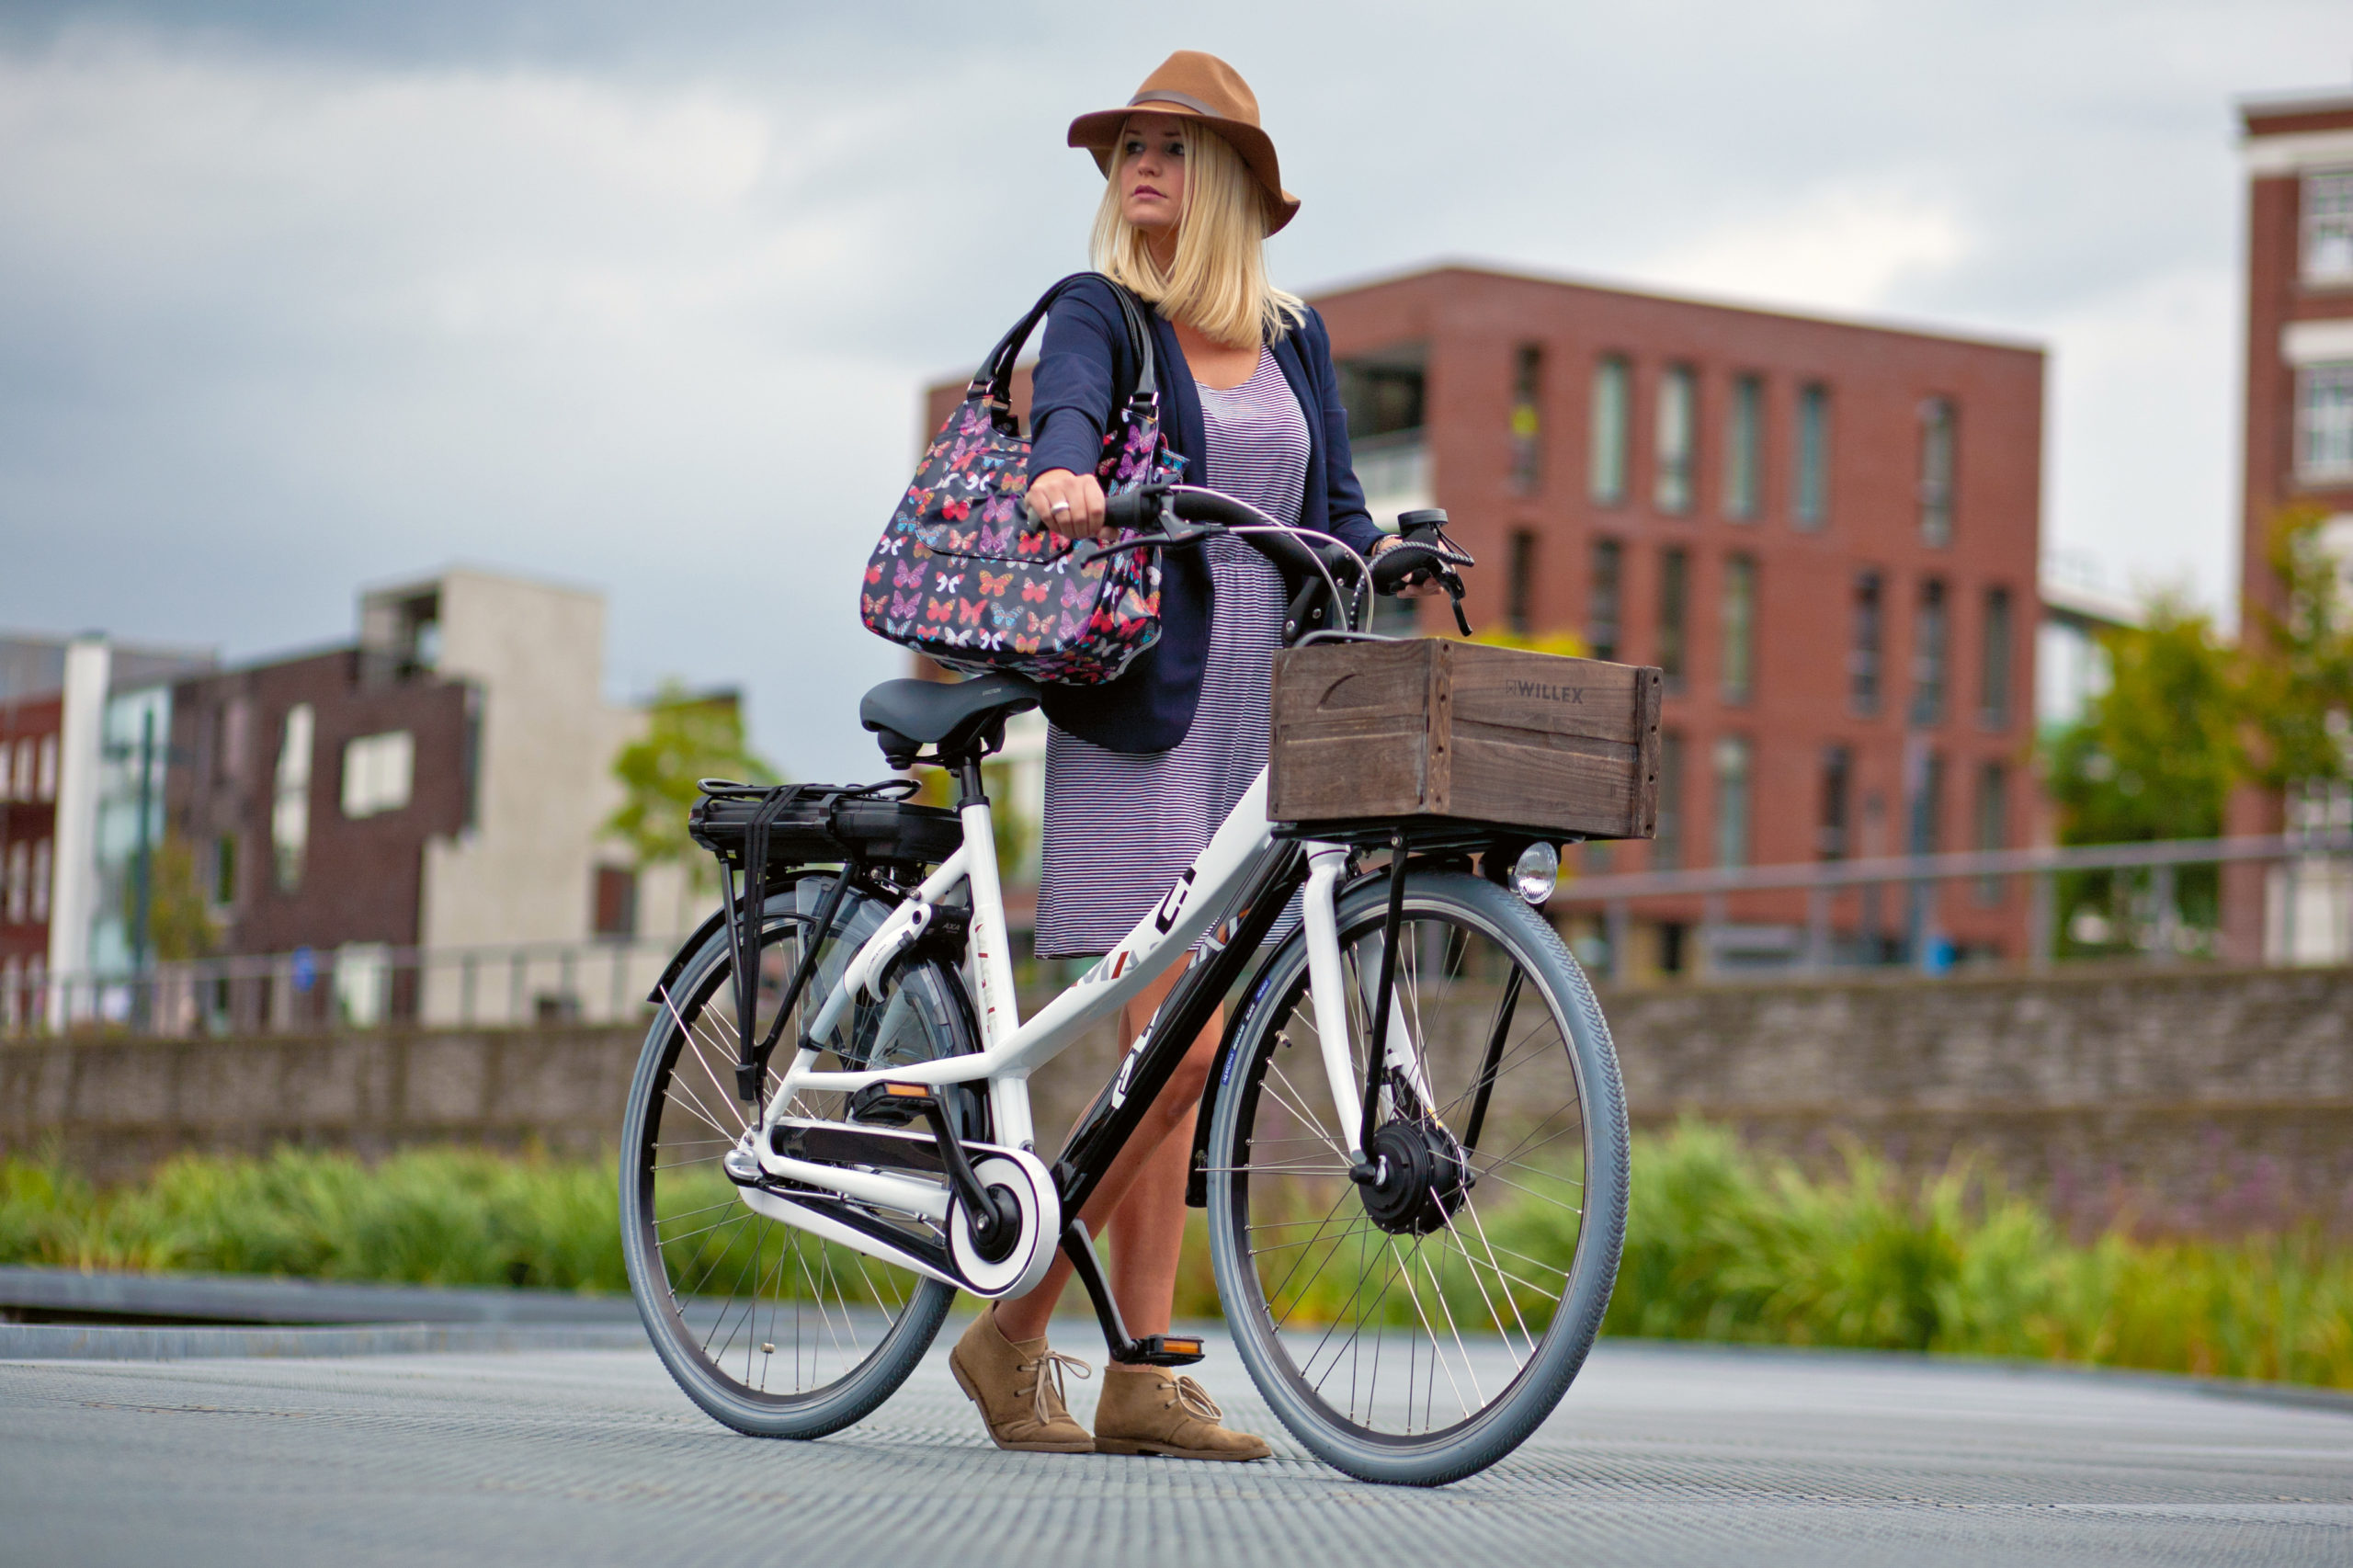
(1119, 826)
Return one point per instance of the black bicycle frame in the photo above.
(1153, 1061)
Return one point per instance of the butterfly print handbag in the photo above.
(965, 575)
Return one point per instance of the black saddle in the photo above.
(906, 715)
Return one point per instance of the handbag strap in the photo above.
(993, 380)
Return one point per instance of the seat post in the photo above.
(971, 788)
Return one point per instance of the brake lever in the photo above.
(1173, 535)
(1452, 582)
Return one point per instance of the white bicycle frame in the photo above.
(1012, 1049)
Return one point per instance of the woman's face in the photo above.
(1151, 172)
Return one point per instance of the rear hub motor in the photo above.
(1419, 1178)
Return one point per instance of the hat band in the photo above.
(1161, 96)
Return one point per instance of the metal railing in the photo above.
(606, 981)
(312, 991)
(2309, 862)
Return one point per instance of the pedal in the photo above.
(891, 1105)
(1162, 1350)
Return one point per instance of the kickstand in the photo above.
(1153, 1350)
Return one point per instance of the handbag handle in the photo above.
(995, 377)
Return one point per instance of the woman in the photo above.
(1140, 771)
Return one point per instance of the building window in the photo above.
(1936, 471)
(1674, 607)
(1602, 617)
(1732, 801)
(1740, 627)
(39, 911)
(1519, 610)
(290, 808)
(1383, 393)
(1928, 803)
(1613, 397)
(1678, 413)
(1994, 663)
(1863, 648)
(1745, 448)
(225, 871)
(1810, 493)
(1992, 823)
(1929, 657)
(1526, 418)
(228, 740)
(1832, 841)
(616, 911)
(377, 773)
(20, 881)
(2325, 423)
(1667, 844)
(2328, 226)
(48, 767)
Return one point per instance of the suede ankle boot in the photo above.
(1151, 1410)
(1018, 1386)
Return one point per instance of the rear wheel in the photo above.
(1419, 1328)
(774, 1331)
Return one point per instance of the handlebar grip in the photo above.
(1125, 510)
(1404, 563)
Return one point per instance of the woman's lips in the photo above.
(1147, 190)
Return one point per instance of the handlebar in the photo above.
(1164, 516)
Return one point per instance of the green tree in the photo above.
(2154, 757)
(688, 737)
(2297, 690)
(179, 917)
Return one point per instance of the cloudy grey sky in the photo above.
(295, 297)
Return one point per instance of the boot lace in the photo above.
(1047, 1373)
(1184, 1391)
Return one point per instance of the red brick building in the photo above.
(1826, 533)
(2299, 434)
(30, 729)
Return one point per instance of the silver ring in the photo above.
(1061, 506)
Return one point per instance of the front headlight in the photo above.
(1536, 872)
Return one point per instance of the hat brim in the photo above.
(1099, 132)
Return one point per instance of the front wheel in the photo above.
(1418, 1328)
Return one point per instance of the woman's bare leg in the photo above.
(1140, 1199)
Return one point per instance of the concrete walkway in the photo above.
(1659, 1455)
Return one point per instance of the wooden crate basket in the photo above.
(1463, 736)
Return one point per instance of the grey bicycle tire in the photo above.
(1504, 1424)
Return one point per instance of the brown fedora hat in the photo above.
(1203, 87)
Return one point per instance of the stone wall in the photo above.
(2180, 1100)
(2199, 1100)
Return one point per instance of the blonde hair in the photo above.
(1217, 284)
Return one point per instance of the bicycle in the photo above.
(1412, 1148)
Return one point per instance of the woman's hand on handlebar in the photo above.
(1070, 504)
(1428, 587)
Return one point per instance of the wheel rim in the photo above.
(765, 1313)
(1406, 1325)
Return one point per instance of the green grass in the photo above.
(1721, 1244)
(425, 1216)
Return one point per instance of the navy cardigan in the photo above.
(1082, 370)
